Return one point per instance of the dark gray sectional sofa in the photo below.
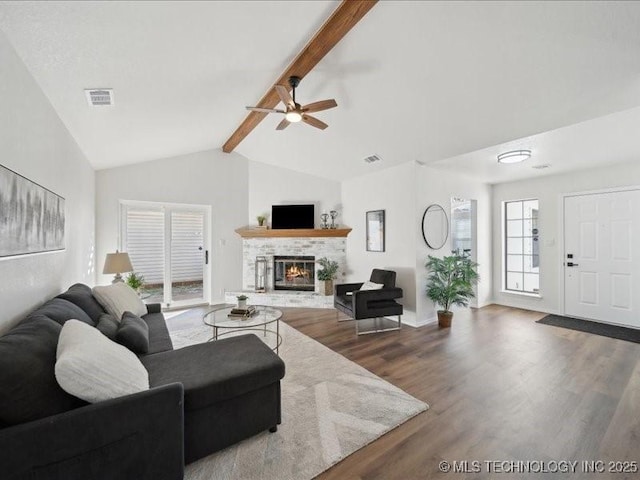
(202, 398)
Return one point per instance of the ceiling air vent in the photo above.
(541, 167)
(99, 97)
(372, 159)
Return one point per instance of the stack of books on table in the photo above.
(242, 312)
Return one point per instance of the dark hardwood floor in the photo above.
(501, 388)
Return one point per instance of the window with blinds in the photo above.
(167, 245)
(144, 242)
(187, 230)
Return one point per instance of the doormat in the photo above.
(602, 329)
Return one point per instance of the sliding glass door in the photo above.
(168, 245)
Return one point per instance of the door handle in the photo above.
(571, 264)
(206, 257)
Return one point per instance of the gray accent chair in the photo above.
(371, 304)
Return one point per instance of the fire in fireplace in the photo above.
(294, 273)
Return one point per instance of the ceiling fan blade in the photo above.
(265, 110)
(283, 124)
(314, 122)
(283, 93)
(319, 106)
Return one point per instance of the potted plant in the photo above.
(242, 301)
(451, 281)
(261, 219)
(135, 281)
(327, 275)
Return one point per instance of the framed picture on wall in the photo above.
(32, 218)
(375, 231)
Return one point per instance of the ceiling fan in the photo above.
(294, 111)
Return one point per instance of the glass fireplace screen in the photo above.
(294, 273)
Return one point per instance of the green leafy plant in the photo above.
(451, 280)
(242, 297)
(135, 280)
(329, 269)
(261, 219)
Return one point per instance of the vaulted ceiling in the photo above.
(419, 81)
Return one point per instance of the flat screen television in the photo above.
(292, 216)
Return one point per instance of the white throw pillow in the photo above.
(92, 367)
(118, 298)
(371, 286)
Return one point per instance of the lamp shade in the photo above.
(118, 262)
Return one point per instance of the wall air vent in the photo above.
(541, 167)
(99, 97)
(373, 158)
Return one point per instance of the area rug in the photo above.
(602, 329)
(331, 407)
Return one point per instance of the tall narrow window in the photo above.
(522, 254)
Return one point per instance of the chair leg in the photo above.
(378, 328)
(344, 319)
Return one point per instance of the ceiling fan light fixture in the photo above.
(293, 116)
(514, 156)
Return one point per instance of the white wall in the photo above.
(404, 192)
(438, 187)
(36, 144)
(392, 190)
(549, 191)
(205, 178)
(270, 185)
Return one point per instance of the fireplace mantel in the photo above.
(254, 232)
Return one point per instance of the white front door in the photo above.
(601, 257)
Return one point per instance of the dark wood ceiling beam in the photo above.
(343, 19)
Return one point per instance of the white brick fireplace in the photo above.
(331, 247)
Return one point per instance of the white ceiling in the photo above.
(602, 141)
(419, 81)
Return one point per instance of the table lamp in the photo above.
(117, 263)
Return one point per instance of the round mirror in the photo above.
(435, 227)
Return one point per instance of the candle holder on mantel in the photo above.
(261, 274)
(333, 214)
(324, 217)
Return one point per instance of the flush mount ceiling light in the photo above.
(514, 156)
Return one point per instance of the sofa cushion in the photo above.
(92, 367)
(159, 338)
(133, 333)
(215, 371)
(118, 298)
(62, 310)
(28, 386)
(80, 295)
(108, 325)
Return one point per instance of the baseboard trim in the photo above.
(420, 323)
(529, 307)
